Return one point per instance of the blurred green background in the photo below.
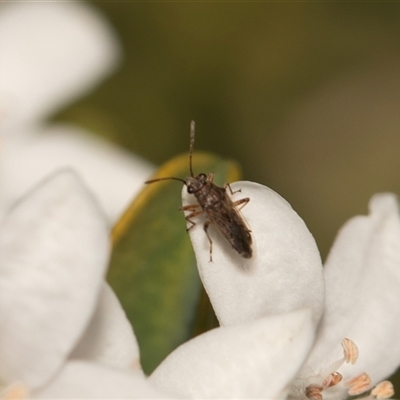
(304, 95)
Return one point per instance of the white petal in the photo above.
(362, 291)
(54, 250)
(83, 380)
(114, 175)
(51, 52)
(284, 273)
(253, 360)
(109, 339)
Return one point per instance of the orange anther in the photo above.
(350, 351)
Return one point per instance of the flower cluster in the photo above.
(289, 327)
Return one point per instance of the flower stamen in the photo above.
(333, 379)
(313, 392)
(383, 390)
(330, 377)
(358, 384)
(350, 351)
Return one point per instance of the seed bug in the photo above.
(219, 209)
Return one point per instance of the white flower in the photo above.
(362, 276)
(63, 333)
(58, 316)
(279, 292)
(357, 343)
(257, 359)
(50, 54)
(284, 274)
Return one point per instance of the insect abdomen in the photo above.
(241, 240)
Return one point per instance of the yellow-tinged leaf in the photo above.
(153, 269)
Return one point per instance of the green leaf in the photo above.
(153, 269)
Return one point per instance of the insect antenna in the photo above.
(164, 179)
(192, 124)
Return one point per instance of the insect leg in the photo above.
(227, 185)
(206, 225)
(189, 207)
(194, 212)
(241, 202)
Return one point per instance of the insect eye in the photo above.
(190, 189)
(202, 177)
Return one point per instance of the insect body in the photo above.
(218, 207)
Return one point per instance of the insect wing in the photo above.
(232, 227)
